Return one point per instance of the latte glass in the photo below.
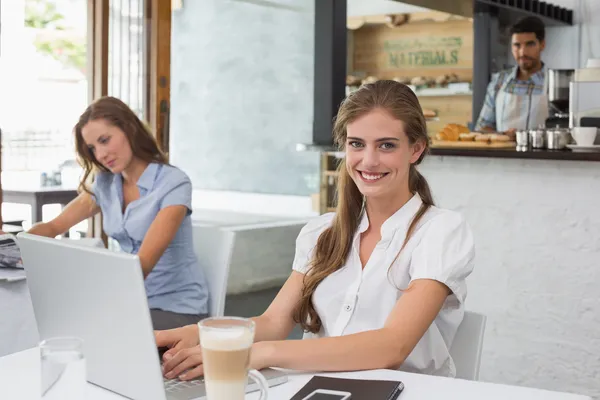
(226, 346)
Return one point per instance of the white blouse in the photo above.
(353, 300)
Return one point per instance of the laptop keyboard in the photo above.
(175, 385)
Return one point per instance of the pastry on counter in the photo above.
(483, 137)
(492, 137)
(405, 80)
(451, 132)
(370, 79)
(418, 81)
(352, 80)
(498, 137)
(467, 137)
(395, 20)
(453, 78)
(429, 113)
(442, 80)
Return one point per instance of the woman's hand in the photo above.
(177, 339)
(187, 364)
(261, 353)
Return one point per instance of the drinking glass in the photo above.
(226, 344)
(63, 368)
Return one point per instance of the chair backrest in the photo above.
(467, 346)
(213, 247)
(262, 255)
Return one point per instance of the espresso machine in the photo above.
(585, 101)
(559, 81)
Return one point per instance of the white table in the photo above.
(18, 329)
(20, 380)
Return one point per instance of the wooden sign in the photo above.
(426, 49)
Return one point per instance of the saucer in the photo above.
(576, 147)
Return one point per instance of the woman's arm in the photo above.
(387, 347)
(277, 322)
(80, 208)
(161, 232)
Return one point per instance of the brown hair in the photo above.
(334, 244)
(117, 113)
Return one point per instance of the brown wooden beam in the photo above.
(98, 28)
(159, 55)
(98, 40)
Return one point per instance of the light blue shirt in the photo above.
(176, 283)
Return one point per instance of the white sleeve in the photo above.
(307, 241)
(445, 254)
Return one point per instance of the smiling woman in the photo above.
(146, 205)
(380, 283)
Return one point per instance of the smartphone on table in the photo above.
(324, 394)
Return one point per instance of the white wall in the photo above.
(537, 276)
(570, 47)
(242, 96)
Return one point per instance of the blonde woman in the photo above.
(380, 283)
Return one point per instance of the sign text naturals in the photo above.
(423, 52)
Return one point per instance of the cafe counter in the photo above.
(530, 154)
(535, 218)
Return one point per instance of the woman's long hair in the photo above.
(334, 244)
(116, 113)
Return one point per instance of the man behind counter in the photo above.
(517, 98)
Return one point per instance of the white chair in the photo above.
(257, 255)
(213, 247)
(467, 346)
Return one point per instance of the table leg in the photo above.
(36, 212)
(65, 234)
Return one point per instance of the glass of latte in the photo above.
(226, 344)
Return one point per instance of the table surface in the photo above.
(19, 379)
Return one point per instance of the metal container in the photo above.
(558, 138)
(537, 138)
(522, 138)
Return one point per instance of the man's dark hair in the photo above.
(530, 25)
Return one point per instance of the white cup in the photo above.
(593, 63)
(584, 136)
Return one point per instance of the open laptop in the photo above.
(98, 295)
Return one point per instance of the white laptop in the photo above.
(99, 296)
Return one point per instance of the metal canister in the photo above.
(558, 138)
(522, 138)
(537, 137)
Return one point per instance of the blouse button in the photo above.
(347, 308)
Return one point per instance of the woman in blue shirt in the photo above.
(146, 207)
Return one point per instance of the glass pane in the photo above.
(127, 52)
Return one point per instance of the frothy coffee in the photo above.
(226, 358)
